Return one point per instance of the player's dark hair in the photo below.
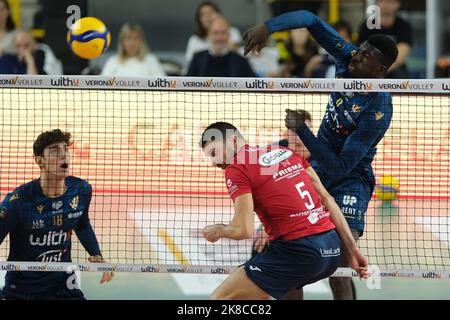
(9, 21)
(199, 29)
(48, 138)
(221, 127)
(386, 45)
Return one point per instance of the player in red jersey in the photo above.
(297, 212)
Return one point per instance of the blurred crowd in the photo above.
(215, 48)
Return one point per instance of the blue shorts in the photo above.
(353, 196)
(59, 294)
(291, 264)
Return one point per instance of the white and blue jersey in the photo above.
(40, 229)
(353, 124)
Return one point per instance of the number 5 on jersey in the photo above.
(309, 203)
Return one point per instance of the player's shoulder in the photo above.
(23, 193)
(79, 183)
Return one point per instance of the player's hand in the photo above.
(359, 263)
(262, 239)
(213, 233)
(107, 276)
(255, 39)
(294, 119)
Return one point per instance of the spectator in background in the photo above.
(323, 65)
(7, 27)
(301, 48)
(219, 61)
(399, 29)
(30, 57)
(206, 12)
(133, 57)
(442, 69)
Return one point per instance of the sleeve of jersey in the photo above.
(237, 181)
(368, 130)
(9, 215)
(322, 32)
(85, 232)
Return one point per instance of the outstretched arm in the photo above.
(322, 32)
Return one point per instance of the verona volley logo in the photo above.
(273, 157)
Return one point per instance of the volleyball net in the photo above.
(136, 141)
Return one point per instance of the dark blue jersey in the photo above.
(354, 122)
(41, 228)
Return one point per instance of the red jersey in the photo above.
(283, 194)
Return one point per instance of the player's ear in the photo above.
(382, 71)
(38, 160)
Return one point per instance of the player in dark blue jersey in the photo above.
(353, 124)
(41, 216)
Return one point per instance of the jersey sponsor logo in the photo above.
(53, 238)
(349, 200)
(74, 203)
(229, 183)
(75, 215)
(232, 189)
(2, 213)
(288, 170)
(356, 108)
(57, 205)
(38, 224)
(378, 115)
(347, 210)
(313, 217)
(319, 211)
(14, 197)
(252, 268)
(50, 256)
(40, 208)
(273, 157)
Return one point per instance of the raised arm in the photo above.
(322, 32)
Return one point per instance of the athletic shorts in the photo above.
(292, 264)
(63, 293)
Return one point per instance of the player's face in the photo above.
(366, 63)
(132, 43)
(56, 160)
(219, 153)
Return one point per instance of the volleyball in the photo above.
(387, 188)
(88, 38)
